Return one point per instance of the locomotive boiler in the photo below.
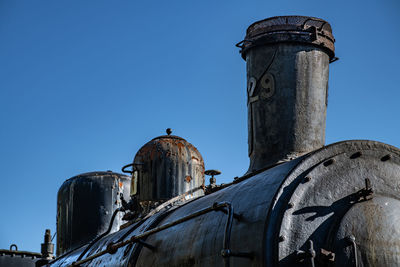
(300, 203)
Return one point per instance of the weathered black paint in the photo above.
(287, 73)
(280, 212)
(15, 258)
(85, 204)
(298, 213)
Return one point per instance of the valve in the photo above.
(212, 173)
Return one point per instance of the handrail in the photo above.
(226, 252)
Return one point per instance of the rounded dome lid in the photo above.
(170, 144)
(167, 166)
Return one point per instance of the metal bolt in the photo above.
(351, 238)
(307, 179)
(329, 162)
(300, 255)
(311, 251)
(225, 253)
(327, 255)
(385, 158)
(356, 155)
(281, 238)
(290, 205)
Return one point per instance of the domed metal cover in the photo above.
(376, 235)
(289, 29)
(331, 203)
(168, 166)
(85, 204)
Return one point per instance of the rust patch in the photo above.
(180, 145)
(188, 178)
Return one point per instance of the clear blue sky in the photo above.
(84, 84)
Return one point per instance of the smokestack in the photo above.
(287, 62)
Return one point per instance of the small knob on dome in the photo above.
(168, 131)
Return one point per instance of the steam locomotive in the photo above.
(299, 204)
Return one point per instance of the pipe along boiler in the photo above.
(300, 203)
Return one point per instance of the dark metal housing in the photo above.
(287, 62)
(166, 167)
(15, 258)
(85, 204)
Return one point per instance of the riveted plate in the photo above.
(322, 188)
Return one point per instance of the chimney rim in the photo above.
(289, 29)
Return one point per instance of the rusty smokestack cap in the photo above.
(289, 29)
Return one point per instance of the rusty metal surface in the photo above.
(286, 102)
(47, 247)
(295, 214)
(289, 29)
(168, 166)
(85, 204)
(199, 242)
(316, 206)
(287, 62)
(224, 207)
(326, 199)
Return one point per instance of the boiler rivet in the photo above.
(307, 179)
(281, 238)
(290, 205)
(329, 162)
(385, 158)
(356, 155)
